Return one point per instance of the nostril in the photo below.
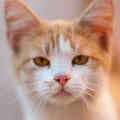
(62, 79)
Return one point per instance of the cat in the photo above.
(62, 66)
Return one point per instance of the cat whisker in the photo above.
(74, 87)
(86, 103)
(92, 96)
(92, 85)
(33, 102)
(95, 85)
(35, 106)
(42, 109)
(17, 98)
(93, 90)
(34, 98)
(37, 103)
(35, 83)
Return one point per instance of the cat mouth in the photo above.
(63, 93)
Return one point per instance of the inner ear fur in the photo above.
(20, 21)
(98, 19)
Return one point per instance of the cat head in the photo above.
(60, 62)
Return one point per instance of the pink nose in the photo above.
(62, 79)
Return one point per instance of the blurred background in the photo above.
(49, 10)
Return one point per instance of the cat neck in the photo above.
(76, 111)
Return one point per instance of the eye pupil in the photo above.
(41, 59)
(79, 57)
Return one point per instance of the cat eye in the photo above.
(80, 60)
(40, 61)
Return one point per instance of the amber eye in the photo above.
(80, 60)
(40, 61)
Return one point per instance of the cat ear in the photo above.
(98, 17)
(20, 20)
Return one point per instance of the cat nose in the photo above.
(62, 79)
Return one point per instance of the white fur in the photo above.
(67, 107)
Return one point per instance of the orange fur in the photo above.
(90, 35)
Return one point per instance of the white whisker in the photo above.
(17, 98)
(87, 104)
(93, 90)
(92, 96)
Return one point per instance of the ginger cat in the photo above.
(62, 66)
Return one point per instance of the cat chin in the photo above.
(61, 100)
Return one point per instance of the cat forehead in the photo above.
(63, 45)
(58, 36)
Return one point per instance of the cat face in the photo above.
(60, 62)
